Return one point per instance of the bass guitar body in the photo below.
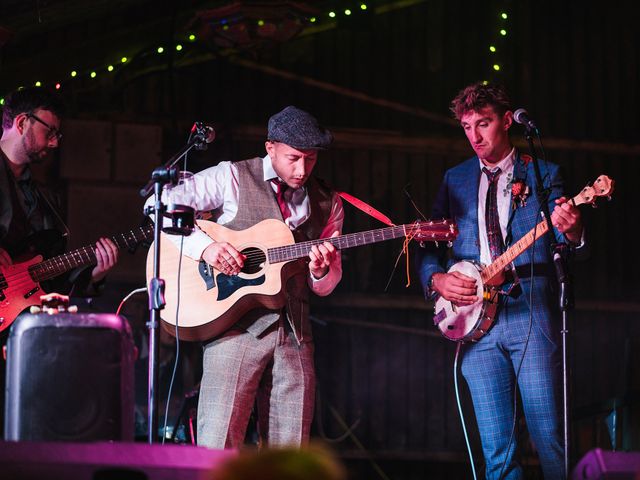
(17, 291)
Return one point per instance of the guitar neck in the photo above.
(84, 256)
(301, 250)
(500, 263)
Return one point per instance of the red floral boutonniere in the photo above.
(519, 192)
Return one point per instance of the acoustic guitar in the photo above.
(210, 302)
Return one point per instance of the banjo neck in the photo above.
(602, 187)
(469, 323)
(500, 263)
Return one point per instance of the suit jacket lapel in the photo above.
(519, 173)
(471, 187)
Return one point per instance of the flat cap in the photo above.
(298, 129)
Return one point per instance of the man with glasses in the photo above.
(30, 223)
(30, 133)
(30, 124)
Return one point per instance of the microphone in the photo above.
(206, 132)
(521, 116)
(209, 133)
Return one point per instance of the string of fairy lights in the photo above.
(497, 44)
(496, 59)
(75, 74)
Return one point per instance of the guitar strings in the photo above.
(255, 256)
(55, 266)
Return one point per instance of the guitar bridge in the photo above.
(206, 272)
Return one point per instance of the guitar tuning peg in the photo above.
(449, 244)
(594, 205)
(436, 243)
(608, 198)
(421, 244)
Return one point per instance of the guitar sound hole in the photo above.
(255, 260)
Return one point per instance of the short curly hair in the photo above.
(478, 96)
(27, 100)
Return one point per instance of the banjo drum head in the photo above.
(458, 322)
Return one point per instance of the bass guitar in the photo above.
(20, 282)
(210, 302)
(468, 323)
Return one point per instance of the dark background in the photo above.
(382, 80)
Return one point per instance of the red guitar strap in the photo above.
(366, 208)
(369, 210)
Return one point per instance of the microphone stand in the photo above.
(166, 174)
(559, 251)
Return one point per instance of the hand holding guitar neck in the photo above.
(321, 257)
(567, 219)
(20, 282)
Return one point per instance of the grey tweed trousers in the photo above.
(239, 368)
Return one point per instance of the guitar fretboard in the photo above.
(500, 263)
(85, 256)
(301, 250)
(587, 195)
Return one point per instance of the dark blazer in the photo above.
(458, 199)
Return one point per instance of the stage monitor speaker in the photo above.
(69, 378)
(108, 461)
(600, 464)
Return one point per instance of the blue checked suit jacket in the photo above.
(458, 199)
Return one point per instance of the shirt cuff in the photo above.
(325, 285)
(580, 244)
(196, 245)
(430, 293)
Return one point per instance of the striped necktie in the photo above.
(281, 188)
(491, 218)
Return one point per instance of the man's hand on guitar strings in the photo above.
(455, 287)
(224, 257)
(321, 257)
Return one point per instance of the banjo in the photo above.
(468, 323)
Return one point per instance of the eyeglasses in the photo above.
(53, 131)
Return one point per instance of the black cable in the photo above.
(177, 333)
(177, 358)
(533, 248)
(464, 425)
(526, 346)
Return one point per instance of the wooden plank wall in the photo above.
(382, 370)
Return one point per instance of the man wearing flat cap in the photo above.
(268, 354)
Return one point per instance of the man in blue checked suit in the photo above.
(492, 198)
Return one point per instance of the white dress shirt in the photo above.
(217, 188)
(504, 201)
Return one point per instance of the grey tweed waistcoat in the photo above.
(257, 202)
